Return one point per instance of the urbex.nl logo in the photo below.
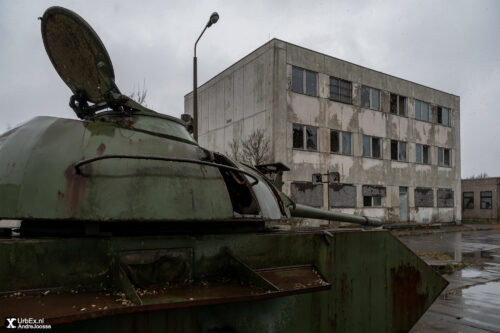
(26, 323)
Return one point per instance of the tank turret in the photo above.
(129, 225)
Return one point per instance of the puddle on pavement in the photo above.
(470, 273)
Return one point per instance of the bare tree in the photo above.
(140, 95)
(254, 150)
(481, 175)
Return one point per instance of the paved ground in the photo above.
(471, 302)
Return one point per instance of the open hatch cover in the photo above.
(78, 54)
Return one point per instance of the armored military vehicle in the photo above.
(129, 225)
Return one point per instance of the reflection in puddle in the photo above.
(470, 273)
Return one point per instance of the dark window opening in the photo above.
(443, 116)
(305, 137)
(298, 136)
(444, 157)
(468, 200)
(486, 200)
(312, 138)
(398, 105)
(371, 147)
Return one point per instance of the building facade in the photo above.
(480, 199)
(395, 143)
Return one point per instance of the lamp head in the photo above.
(213, 19)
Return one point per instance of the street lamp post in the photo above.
(213, 19)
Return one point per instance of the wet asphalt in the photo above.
(471, 302)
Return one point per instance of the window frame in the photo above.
(440, 112)
(304, 81)
(482, 195)
(372, 205)
(398, 150)
(341, 142)
(442, 154)
(398, 104)
(420, 111)
(304, 137)
(371, 90)
(422, 154)
(371, 147)
(340, 81)
(468, 197)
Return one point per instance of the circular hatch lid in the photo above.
(78, 54)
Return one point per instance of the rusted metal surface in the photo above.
(359, 281)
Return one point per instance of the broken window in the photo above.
(340, 90)
(421, 110)
(468, 200)
(445, 198)
(372, 195)
(342, 196)
(305, 137)
(340, 142)
(304, 81)
(398, 150)
(424, 197)
(398, 105)
(443, 116)
(371, 146)
(307, 193)
(422, 154)
(486, 200)
(370, 98)
(444, 157)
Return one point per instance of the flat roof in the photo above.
(326, 55)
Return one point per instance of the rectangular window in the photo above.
(398, 105)
(342, 195)
(444, 157)
(372, 195)
(340, 142)
(445, 198)
(370, 98)
(371, 147)
(422, 154)
(486, 200)
(444, 116)
(421, 110)
(468, 200)
(307, 193)
(398, 150)
(424, 197)
(304, 81)
(340, 90)
(305, 137)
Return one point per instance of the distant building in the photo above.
(480, 199)
(395, 143)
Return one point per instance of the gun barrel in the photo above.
(321, 214)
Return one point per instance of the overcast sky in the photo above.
(452, 46)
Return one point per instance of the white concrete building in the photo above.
(395, 143)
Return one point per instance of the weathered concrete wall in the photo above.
(237, 101)
(326, 114)
(256, 93)
(482, 185)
